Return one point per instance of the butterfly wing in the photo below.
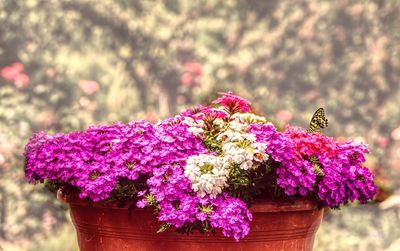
(318, 121)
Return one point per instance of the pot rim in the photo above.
(259, 206)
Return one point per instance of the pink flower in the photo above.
(21, 80)
(89, 87)
(50, 72)
(214, 114)
(186, 79)
(382, 142)
(197, 112)
(11, 72)
(284, 115)
(194, 68)
(233, 103)
(192, 71)
(16, 74)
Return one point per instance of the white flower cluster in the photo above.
(196, 126)
(241, 148)
(249, 118)
(207, 174)
(247, 157)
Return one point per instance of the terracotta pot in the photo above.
(276, 226)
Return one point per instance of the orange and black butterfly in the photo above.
(318, 121)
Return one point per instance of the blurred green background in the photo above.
(66, 64)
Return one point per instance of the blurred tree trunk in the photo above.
(140, 84)
(118, 25)
(169, 94)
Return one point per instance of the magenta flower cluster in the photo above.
(341, 178)
(94, 161)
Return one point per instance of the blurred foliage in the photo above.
(347, 229)
(93, 61)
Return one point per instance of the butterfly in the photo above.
(318, 121)
(317, 165)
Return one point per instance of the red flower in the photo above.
(16, 74)
(215, 114)
(11, 72)
(21, 80)
(192, 71)
(382, 142)
(233, 103)
(194, 68)
(186, 79)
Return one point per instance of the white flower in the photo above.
(248, 153)
(196, 131)
(195, 126)
(249, 137)
(237, 125)
(231, 135)
(259, 146)
(249, 118)
(259, 151)
(246, 165)
(219, 122)
(233, 154)
(207, 174)
(188, 121)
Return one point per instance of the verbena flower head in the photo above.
(207, 174)
(200, 168)
(233, 103)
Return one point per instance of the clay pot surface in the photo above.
(275, 226)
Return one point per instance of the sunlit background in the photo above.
(67, 64)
